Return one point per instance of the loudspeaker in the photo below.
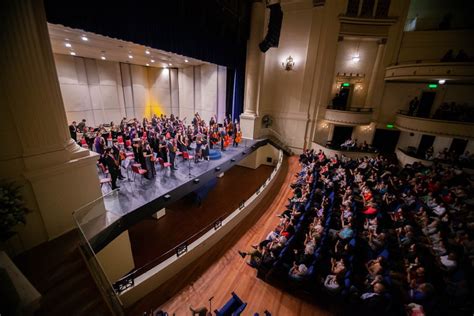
(272, 39)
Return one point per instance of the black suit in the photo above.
(172, 154)
(73, 131)
(109, 162)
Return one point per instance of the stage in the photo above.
(104, 219)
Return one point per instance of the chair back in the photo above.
(185, 155)
(128, 142)
(161, 161)
(135, 168)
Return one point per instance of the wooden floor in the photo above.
(211, 277)
(152, 238)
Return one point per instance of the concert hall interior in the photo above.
(237, 157)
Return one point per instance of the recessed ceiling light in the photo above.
(103, 57)
(68, 45)
(84, 38)
(147, 65)
(186, 60)
(147, 52)
(73, 53)
(356, 59)
(130, 56)
(152, 60)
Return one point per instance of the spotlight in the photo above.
(68, 45)
(218, 169)
(196, 180)
(73, 53)
(84, 38)
(147, 65)
(147, 52)
(103, 57)
(186, 61)
(152, 60)
(130, 56)
(170, 64)
(442, 81)
(167, 197)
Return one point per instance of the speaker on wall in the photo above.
(272, 38)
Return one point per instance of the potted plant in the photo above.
(12, 209)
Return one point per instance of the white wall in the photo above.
(407, 140)
(441, 143)
(102, 91)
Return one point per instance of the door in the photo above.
(344, 94)
(426, 102)
(385, 140)
(425, 143)
(458, 146)
(341, 134)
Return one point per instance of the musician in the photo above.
(172, 148)
(237, 135)
(205, 149)
(109, 161)
(222, 137)
(82, 126)
(118, 158)
(99, 143)
(163, 149)
(149, 161)
(73, 131)
(197, 156)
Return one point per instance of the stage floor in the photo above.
(139, 198)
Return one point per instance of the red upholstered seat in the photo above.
(186, 155)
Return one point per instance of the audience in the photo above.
(378, 234)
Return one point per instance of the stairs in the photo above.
(279, 144)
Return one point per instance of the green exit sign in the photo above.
(432, 86)
(389, 125)
(346, 84)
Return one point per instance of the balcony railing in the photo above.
(350, 109)
(349, 115)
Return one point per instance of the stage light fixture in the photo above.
(73, 53)
(196, 180)
(103, 57)
(147, 65)
(170, 64)
(130, 56)
(84, 38)
(147, 52)
(152, 60)
(68, 45)
(186, 61)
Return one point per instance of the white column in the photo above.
(60, 174)
(254, 62)
(373, 76)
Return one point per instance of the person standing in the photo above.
(112, 166)
(171, 146)
(73, 131)
(81, 126)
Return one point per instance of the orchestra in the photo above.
(158, 140)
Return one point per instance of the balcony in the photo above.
(461, 71)
(352, 116)
(435, 127)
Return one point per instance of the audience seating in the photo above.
(234, 306)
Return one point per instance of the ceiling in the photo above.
(99, 47)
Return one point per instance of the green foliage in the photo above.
(12, 209)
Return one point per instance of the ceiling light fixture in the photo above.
(103, 57)
(73, 53)
(147, 65)
(68, 45)
(170, 64)
(355, 58)
(442, 81)
(152, 60)
(288, 64)
(147, 52)
(186, 61)
(130, 56)
(84, 38)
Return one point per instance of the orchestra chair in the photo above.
(120, 142)
(178, 153)
(137, 169)
(84, 144)
(128, 144)
(106, 181)
(163, 164)
(187, 156)
(102, 169)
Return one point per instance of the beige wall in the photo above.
(102, 91)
